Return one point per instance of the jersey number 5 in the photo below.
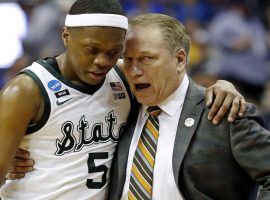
(93, 169)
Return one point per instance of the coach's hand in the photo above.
(21, 164)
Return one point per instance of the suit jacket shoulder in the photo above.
(220, 162)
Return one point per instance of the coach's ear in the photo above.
(65, 35)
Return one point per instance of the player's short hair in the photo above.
(96, 6)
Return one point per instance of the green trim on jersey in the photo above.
(47, 106)
(87, 90)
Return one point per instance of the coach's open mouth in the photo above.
(142, 86)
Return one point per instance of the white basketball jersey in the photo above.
(74, 142)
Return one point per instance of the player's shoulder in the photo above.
(21, 86)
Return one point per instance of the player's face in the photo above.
(92, 52)
(153, 71)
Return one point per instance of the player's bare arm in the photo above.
(222, 97)
(21, 104)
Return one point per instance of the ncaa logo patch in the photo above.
(54, 85)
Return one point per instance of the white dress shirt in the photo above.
(164, 186)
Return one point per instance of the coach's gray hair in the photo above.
(174, 33)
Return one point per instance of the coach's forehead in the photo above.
(148, 35)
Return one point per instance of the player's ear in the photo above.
(65, 35)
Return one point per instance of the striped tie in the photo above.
(141, 179)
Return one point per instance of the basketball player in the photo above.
(68, 111)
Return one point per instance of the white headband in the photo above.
(97, 19)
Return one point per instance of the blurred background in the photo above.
(230, 38)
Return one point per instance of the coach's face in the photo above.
(152, 70)
(92, 51)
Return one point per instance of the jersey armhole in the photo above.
(47, 107)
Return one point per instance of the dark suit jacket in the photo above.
(227, 161)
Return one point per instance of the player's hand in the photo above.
(21, 164)
(222, 97)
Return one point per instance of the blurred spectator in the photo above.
(239, 41)
(45, 19)
(136, 7)
(45, 25)
(13, 23)
(265, 104)
(264, 12)
(197, 10)
(199, 52)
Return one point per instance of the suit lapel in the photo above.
(187, 125)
